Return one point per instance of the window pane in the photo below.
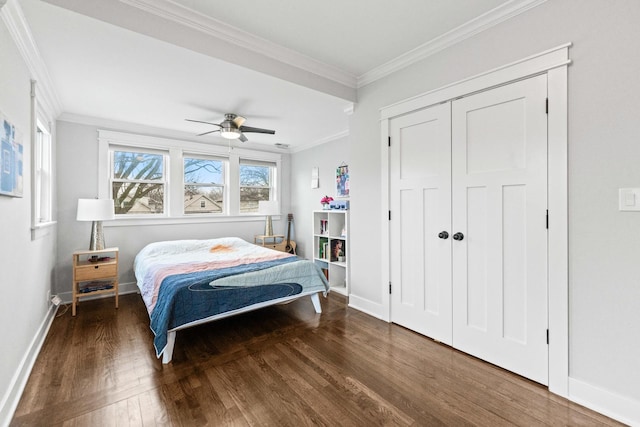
(249, 198)
(203, 171)
(255, 176)
(42, 176)
(138, 185)
(201, 199)
(138, 199)
(137, 166)
(255, 185)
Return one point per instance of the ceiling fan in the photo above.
(232, 127)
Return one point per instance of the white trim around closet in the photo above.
(554, 63)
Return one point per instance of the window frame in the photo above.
(224, 185)
(41, 123)
(178, 150)
(42, 175)
(164, 181)
(273, 175)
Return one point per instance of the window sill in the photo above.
(42, 229)
(135, 222)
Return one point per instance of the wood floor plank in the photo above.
(282, 365)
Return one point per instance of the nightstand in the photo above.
(94, 273)
(271, 242)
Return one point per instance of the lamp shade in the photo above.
(95, 210)
(268, 207)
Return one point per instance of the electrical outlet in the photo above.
(56, 300)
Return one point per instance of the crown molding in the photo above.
(483, 22)
(20, 32)
(321, 141)
(177, 13)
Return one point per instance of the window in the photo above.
(203, 185)
(155, 180)
(42, 168)
(256, 184)
(138, 182)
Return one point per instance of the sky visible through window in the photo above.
(203, 171)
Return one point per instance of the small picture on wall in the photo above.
(342, 181)
(11, 152)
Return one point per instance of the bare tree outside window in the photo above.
(255, 185)
(138, 184)
(142, 187)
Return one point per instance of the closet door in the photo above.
(499, 182)
(420, 199)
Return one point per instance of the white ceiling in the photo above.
(353, 35)
(292, 65)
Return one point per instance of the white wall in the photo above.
(304, 200)
(604, 101)
(26, 265)
(78, 178)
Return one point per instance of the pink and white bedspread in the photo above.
(185, 282)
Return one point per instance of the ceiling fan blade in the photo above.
(243, 138)
(207, 133)
(256, 130)
(239, 121)
(200, 121)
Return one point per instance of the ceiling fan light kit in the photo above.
(229, 133)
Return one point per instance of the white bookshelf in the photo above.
(330, 234)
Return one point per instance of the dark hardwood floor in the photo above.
(278, 366)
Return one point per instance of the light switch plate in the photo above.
(629, 199)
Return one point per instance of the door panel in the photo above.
(499, 203)
(411, 263)
(476, 304)
(514, 260)
(432, 247)
(491, 145)
(420, 198)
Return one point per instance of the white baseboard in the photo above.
(10, 400)
(366, 306)
(123, 289)
(621, 408)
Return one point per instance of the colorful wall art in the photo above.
(11, 163)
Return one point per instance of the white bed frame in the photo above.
(167, 354)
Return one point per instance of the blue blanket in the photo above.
(185, 298)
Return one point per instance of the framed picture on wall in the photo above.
(342, 181)
(11, 164)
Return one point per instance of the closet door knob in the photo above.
(443, 235)
(458, 236)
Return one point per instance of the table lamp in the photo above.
(268, 208)
(96, 210)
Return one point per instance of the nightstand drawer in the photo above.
(98, 271)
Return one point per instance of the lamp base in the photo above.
(97, 237)
(268, 226)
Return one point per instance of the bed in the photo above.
(184, 283)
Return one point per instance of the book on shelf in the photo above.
(322, 247)
(324, 226)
